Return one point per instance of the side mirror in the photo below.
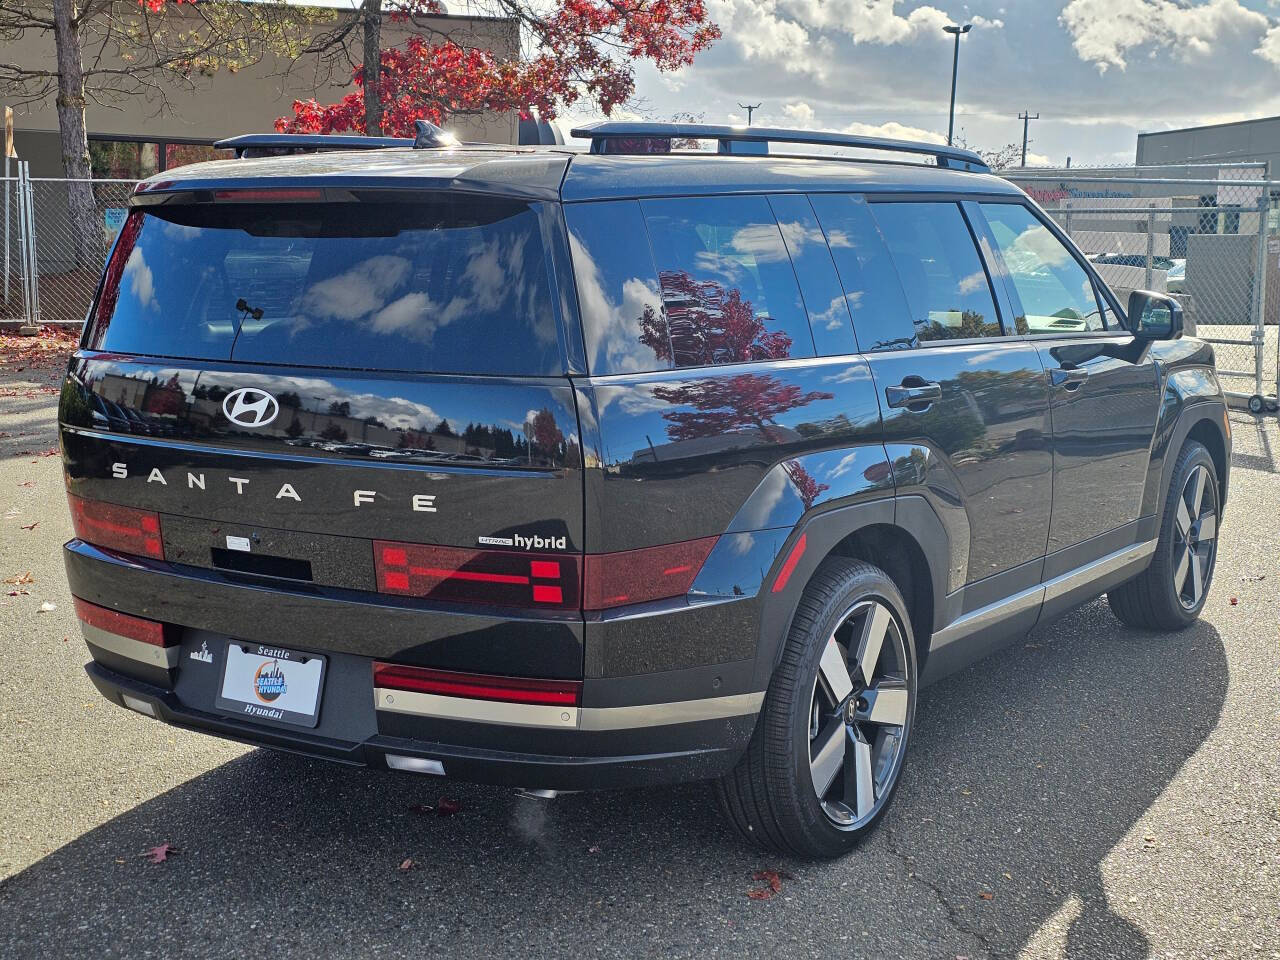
(1154, 316)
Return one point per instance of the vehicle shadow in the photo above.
(1026, 772)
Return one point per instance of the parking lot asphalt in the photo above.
(1091, 792)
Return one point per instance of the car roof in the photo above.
(555, 173)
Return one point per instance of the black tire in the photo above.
(1154, 600)
(771, 795)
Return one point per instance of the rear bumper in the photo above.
(709, 752)
(627, 731)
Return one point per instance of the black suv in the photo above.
(568, 470)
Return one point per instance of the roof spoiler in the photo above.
(281, 144)
(609, 136)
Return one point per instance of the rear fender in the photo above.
(822, 532)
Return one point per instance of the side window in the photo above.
(1057, 294)
(942, 275)
(824, 300)
(881, 319)
(618, 297)
(728, 287)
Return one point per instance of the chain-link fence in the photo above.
(1206, 235)
(72, 226)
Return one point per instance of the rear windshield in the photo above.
(457, 285)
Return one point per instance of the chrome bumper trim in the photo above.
(166, 658)
(566, 718)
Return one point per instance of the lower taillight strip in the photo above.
(477, 686)
(166, 658)
(141, 629)
(476, 711)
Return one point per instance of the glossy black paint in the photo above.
(996, 479)
(465, 637)
(986, 442)
(492, 456)
(1102, 431)
(676, 455)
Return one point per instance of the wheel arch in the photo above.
(903, 536)
(1204, 421)
(1206, 431)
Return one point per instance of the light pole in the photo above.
(958, 31)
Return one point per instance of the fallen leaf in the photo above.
(18, 579)
(30, 526)
(1234, 601)
(407, 864)
(773, 884)
(447, 807)
(987, 896)
(28, 483)
(160, 853)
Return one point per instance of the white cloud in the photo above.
(869, 21)
(798, 114)
(141, 282)
(894, 131)
(1269, 48)
(1104, 32)
(760, 33)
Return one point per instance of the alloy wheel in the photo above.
(1195, 537)
(859, 714)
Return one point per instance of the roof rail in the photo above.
(275, 144)
(755, 140)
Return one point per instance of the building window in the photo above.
(136, 159)
(123, 160)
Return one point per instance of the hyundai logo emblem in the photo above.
(250, 407)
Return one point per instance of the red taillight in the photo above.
(271, 195)
(121, 624)
(476, 686)
(117, 528)
(636, 576)
(497, 577)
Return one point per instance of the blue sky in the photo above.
(1097, 71)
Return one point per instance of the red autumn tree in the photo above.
(725, 404)
(573, 49)
(703, 323)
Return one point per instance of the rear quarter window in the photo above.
(687, 282)
(456, 285)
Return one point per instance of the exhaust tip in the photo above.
(534, 794)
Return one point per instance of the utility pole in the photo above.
(958, 31)
(1026, 119)
(750, 108)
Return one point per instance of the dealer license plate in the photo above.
(271, 684)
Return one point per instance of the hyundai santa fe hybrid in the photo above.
(565, 470)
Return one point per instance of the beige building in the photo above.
(139, 136)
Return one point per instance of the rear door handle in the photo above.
(914, 394)
(1068, 378)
